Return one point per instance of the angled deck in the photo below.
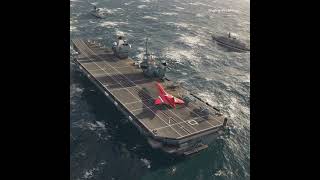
(136, 93)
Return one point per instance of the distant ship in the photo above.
(96, 12)
(232, 42)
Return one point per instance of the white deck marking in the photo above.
(186, 121)
(121, 88)
(181, 119)
(139, 101)
(199, 116)
(118, 67)
(143, 108)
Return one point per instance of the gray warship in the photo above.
(97, 12)
(232, 42)
(130, 86)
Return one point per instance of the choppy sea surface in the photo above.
(105, 146)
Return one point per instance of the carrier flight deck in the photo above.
(186, 129)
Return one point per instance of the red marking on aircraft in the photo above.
(165, 98)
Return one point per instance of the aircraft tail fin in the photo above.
(161, 89)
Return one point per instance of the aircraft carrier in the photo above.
(183, 130)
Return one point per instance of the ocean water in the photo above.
(104, 145)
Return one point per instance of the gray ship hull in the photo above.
(233, 45)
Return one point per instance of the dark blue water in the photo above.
(104, 145)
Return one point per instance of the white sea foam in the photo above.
(146, 162)
(184, 25)
(169, 13)
(79, 90)
(200, 4)
(90, 173)
(109, 24)
(223, 172)
(200, 15)
(141, 6)
(180, 55)
(128, 3)
(110, 11)
(149, 17)
(100, 125)
(210, 98)
(220, 173)
(180, 8)
(173, 170)
(86, 124)
(121, 33)
(179, 25)
(235, 109)
(140, 48)
(192, 41)
(72, 21)
(246, 78)
(73, 29)
(74, 89)
(112, 23)
(223, 11)
(95, 126)
(177, 7)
